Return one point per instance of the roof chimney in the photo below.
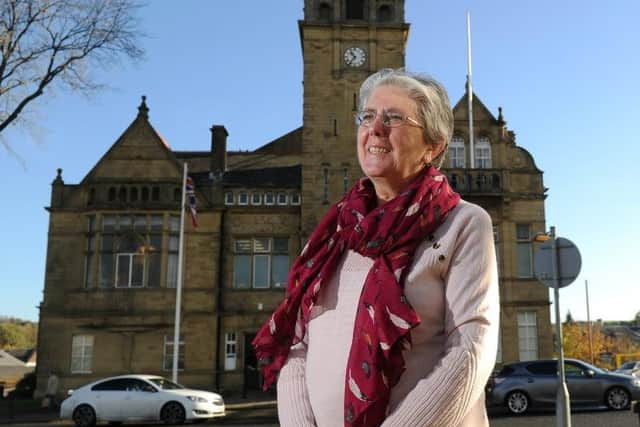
(218, 149)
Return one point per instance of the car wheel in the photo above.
(617, 398)
(84, 416)
(517, 402)
(172, 413)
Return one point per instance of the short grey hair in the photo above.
(430, 97)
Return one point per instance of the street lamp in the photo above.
(563, 410)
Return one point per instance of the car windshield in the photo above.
(165, 384)
(628, 365)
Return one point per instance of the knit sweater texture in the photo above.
(453, 286)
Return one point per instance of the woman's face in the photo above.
(392, 157)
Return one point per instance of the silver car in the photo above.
(523, 385)
(630, 368)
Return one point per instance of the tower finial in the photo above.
(143, 110)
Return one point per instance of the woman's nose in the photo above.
(377, 126)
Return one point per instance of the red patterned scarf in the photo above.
(389, 234)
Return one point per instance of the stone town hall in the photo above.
(112, 256)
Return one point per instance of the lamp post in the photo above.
(563, 410)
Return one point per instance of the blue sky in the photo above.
(565, 74)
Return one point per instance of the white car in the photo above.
(139, 398)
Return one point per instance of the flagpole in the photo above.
(176, 331)
(470, 94)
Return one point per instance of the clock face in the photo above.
(354, 57)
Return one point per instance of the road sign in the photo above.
(568, 262)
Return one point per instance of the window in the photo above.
(111, 195)
(172, 259)
(256, 198)
(260, 263)
(524, 250)
(385, 14)
(325, 185)
(145, 194)
(454, 181)
(269, 198)
(456, 152)
(324, 12)
(230, 351)
(282, 198)
(91, 198)
(527, 335)
(483, 153)
(130, 251)
(228, 198)
(133, 195)
(89, 258)
(543, 368)
(167, 364)
(81, 354)
(355, 9)
(243, 198)
(295, 199)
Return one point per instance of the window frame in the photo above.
(257, 256)
(82, 342)
(528, 335)
(230, 351)
(455, 162)
(168, 343)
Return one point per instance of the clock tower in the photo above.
(343, 41)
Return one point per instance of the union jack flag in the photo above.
(191, 201)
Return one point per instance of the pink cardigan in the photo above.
(453, 285)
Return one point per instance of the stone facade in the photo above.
(109, 295)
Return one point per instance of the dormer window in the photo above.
(243, 198)
(282, 199)
(228, 198)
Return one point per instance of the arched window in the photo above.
(355, 9)
(122, 194)
(456, 152)
(145, 194)
(112, 194)
(483, 153)
(324, 12)
(385, 13)
(133, 194)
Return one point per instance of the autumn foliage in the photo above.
(575, 341)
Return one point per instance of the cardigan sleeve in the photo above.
(294, 408)
(446, 395)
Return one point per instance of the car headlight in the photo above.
(197, 399)
(636, 382)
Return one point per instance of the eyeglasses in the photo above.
(390, 119)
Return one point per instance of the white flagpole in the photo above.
(176, 331)
(470, 94)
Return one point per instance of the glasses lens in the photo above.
(366, 117)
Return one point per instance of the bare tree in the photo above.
(45, 44)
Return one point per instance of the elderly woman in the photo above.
(391, 311)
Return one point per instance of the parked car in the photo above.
(139, 398)
(629, 368)
(523, 385)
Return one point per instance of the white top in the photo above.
(453, 286)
